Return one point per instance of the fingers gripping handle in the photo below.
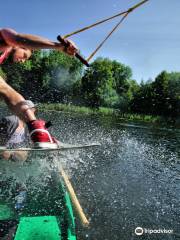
(77, 55)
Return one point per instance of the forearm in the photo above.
(32, 42)
(14, 101)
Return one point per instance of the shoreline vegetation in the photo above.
(108, 112)
(106, 88)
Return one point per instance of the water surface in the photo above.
(131, 181)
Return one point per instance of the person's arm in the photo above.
(33, 42)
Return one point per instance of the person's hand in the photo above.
(15, 156)
(71, 49)
(19, 155)
(6, 155)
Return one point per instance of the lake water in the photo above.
(132, 180)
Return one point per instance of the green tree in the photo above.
(2, 74)
(106, 84)
(121, 74)
(160, 89)
(142, 99)
(160, 97)
(59, 74)
(97, 83)
(15, 74)
(173, 93)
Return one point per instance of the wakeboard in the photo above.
(63, 147)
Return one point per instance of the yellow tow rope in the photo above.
(116, 26)
(123, 14)
(105, 20)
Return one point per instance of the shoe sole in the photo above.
(45, 145)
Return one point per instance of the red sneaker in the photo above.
(40, 135)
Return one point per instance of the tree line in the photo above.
(54, 77)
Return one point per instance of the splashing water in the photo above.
(63, 78)
(131, 180)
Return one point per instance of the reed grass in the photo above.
(101, 111)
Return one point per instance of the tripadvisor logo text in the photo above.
(140, 231)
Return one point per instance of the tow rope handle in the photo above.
(77, 55)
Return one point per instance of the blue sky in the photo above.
(148, 40)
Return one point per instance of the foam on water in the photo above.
(131, 183)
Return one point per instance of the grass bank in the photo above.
(101, 111)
